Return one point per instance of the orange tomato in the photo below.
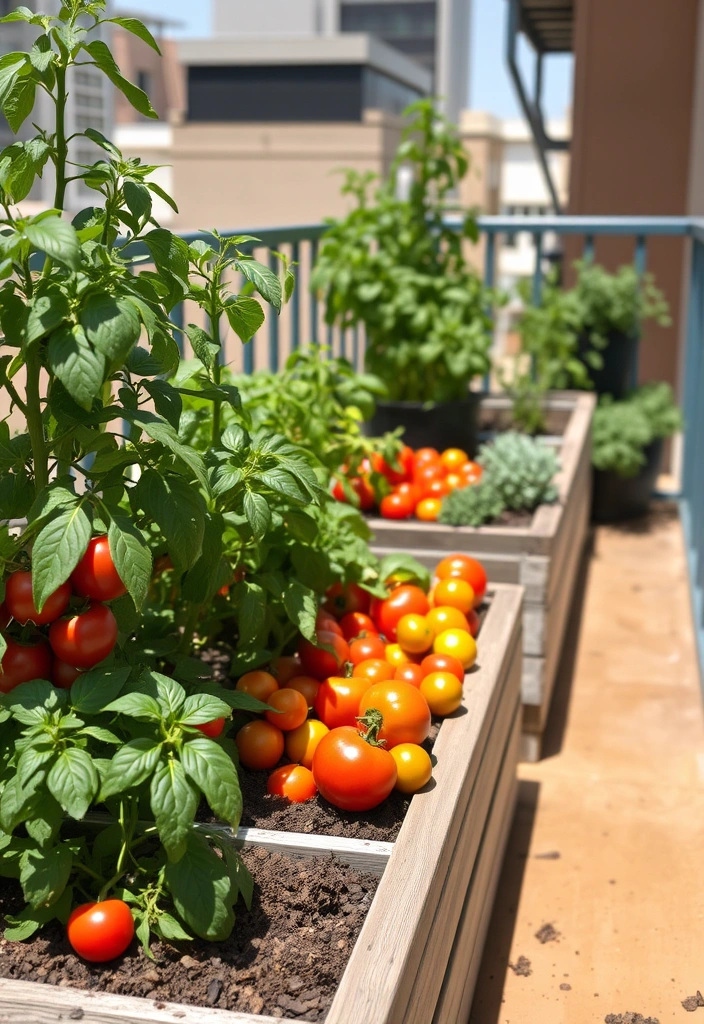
(453, 458)
(374, 670)
(459, 644)
(285, 667)
(338, 700)
(293, 782)
(471, 472)
(443, 617)
(405, 712)
(425, 457)
(412, 674)
(454, 480)
(301, 743)
(442, 663)
(455, 593)
(396, 656)
(443, 692)
(409, 490)
(260, 745)
(424, 476)
(414, 633)
(464, 567)
(290, 709)
(402, 601)
(437, 489)
(258, 684)
(473, 620)
(428, 509)
(306, 685)
(366, 647)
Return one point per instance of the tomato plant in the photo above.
(351, 770)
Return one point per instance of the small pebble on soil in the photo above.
(692, 1003)
(547, 933)
(285, 957)
(522, 967)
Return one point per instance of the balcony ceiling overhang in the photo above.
(549, 24)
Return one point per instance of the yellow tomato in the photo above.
(459, 644)
(454, 480)
(414, 634)
(454, 593)
(443, 692)
(444, 616)
(413, 767)
(428, 509)
(396, 656)
(453, 458)
(301, 743)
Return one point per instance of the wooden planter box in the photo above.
(417, 956)
(543, 556)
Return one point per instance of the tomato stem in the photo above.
(373, 720)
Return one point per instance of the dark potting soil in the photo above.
(547, 933)
(317, 816)
(522, 967)
(284, 958)
(692, 1003)
(629, 1018)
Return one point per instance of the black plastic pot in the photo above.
(616, 375)
(426, 425)
(616, 498)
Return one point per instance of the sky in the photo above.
(490, 87)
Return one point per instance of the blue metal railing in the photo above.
(304, 321)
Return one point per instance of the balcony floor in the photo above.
(607, 844)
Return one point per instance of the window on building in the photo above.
(144, 82)
(409, 27)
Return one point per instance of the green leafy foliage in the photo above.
(521, 470)
(472, 506)
(621, 431)
(395, 267)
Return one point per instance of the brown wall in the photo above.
(168, 91)
(633, 130)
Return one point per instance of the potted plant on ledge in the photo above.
(395, 267)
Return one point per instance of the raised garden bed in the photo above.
(419, 948)
(542, 555)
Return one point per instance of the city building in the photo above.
(434, 33)
(90, 105)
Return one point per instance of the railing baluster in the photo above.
(640, 261)
(329, 342)
(355, 346)
(692, 355)
(588, 251)
(313, 296)
(177, 320)
(538, 270)
(273, 321)
(296, 298)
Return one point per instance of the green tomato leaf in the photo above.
(169, 929)
(44, 874)
(56, 237)
(204, 347)
(132, 764)
(302, 608)
(73, 781)
(58, 549)
(264, 280)
(201, 889)
(246, 316)
(256, 508)
(131, 555)
(159, 430)
(174, 801)
(178, 510)
(213, 772)
(112, 326)
(47, 311)
(103, 58)
(78, 366)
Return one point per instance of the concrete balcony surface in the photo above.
(607, 845)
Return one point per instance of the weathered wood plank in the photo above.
(23, 1002)
(387, 957)
(362, 854)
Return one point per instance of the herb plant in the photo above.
(475, 505)
(621, 431)
(395, 266)
(86, 351)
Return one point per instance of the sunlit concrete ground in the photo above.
(608, 841)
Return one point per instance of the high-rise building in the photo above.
(90, 105)
(434, 33)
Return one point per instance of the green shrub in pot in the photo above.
(622, 431)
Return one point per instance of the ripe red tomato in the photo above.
(424, 476)
(437, 489)
(19, 602)
(464, 568)
(23, 662)
(356, 624)
(338, 700)
(404, 709)
(404, 600)
(84, 640)
(212, 729)
(404, 462)
(293, 782)
(361, 487)
(324, 620)
(396, 506)
(425, 457)
(365, 647)
(260, 745)
(258, 684)
(307, 686)
(100, 932)
(290, 709)
(412, 674)
(442, 663)
(286, 667)
(343, 598)
(5, 617)
(320, 663)
(471, 472)
(95, 576)
(411, 491)
(352, 773)
(63, 675)
(374, 670)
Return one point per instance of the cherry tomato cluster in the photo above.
(351, 712)
(420, 481)
(74, 642)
